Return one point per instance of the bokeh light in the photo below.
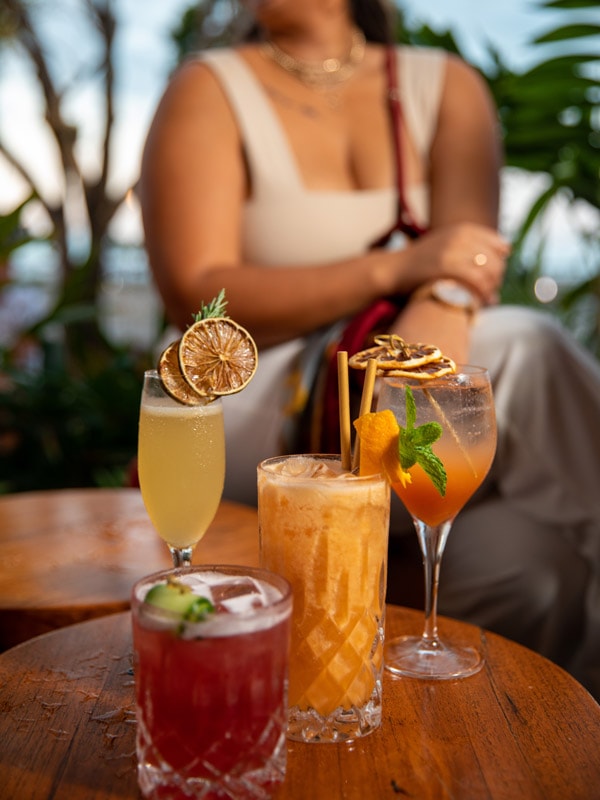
(545, 289)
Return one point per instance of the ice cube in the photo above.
(306, 467)
(239, 602)
(200, 585)
(238, 595)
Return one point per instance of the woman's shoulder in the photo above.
(202, 74)
(194, 93)
(215, 55)
(219, 68)
(221, 58)
(435, 71)
(428, 61)
(416, 57)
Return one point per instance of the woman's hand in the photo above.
(468, 252)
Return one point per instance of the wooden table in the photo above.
(522, 729)
(70, 555)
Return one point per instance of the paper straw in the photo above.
(344, 401)
(366, 401)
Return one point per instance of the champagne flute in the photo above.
(462, 404)
(181, 465)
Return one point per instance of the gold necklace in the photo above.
(325, 73)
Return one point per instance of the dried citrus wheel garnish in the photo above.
(397, 358)
(172, 380)
(425, 372)
(392, 352)
(214, 357)
(217, 356)
(379, 432)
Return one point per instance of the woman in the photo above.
(274, 170)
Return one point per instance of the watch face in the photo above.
(454, 294)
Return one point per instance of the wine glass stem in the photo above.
(432, 541)
(182, 556)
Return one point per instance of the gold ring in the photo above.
(480, 259)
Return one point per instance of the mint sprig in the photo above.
(414, 445)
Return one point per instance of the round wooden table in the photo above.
(71, 555)
(522, 729)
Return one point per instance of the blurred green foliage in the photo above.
(61, 429)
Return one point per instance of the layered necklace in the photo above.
(320, 74)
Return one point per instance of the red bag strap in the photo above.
(405, 222)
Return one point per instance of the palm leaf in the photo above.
(568, 32)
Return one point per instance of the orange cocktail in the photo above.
(443, 449)
(326, 532)
(465, 473)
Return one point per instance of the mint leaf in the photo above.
(433, 466)
(411, 408)
(414, 445)
(425, 435)
(407, 451)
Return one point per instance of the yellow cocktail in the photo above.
(326, 532)
(181, 464)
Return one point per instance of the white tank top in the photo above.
(285, 223)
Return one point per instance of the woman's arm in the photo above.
(465, 164)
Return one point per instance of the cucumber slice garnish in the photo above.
(199, 610)
(179, 599)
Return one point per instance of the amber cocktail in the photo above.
(326, 531)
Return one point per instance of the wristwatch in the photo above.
(449, 293)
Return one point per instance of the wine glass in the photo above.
(462, 404)
(181, 465)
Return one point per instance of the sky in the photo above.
(146, 56)
(507, 24)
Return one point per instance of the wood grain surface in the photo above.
(71, 555)
(522, 729)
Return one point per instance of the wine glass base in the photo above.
(414, 657)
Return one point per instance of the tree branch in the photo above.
(100, 208)
(65, 135)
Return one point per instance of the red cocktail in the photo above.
(212, 694)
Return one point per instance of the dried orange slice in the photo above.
(433, 369)
(392, 352)
(217, 356)
(397, 358)
(378, 432)
(173, 381)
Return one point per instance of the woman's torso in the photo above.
(286, 221)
